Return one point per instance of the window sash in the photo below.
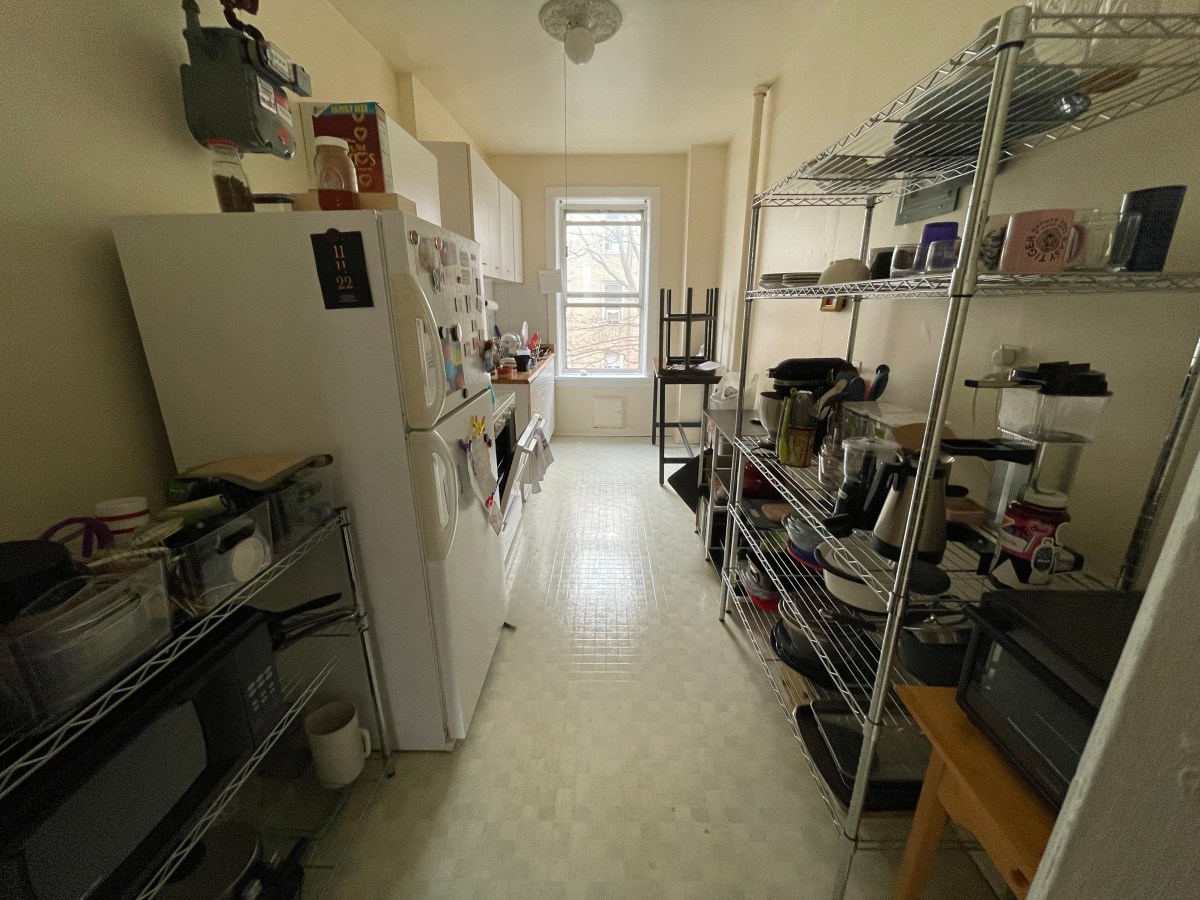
(638, 211)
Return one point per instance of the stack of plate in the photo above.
(799, 279)
(770, 281)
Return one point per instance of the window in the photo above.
(602, 251)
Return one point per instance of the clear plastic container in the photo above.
(229, 178)
(16, 709)
(212, 567)
(296, 511)
(1051, 417)
(82, 632)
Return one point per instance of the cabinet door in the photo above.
(518, 242)
(485, 201)
(506, 232)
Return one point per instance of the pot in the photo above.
(845, 585)
(803, 540)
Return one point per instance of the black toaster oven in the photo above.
(1037, 669)
(99, 818)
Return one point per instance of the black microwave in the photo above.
(100, 817)
(1037, 669)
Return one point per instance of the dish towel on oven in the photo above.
(540, 458)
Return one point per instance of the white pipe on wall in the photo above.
(733, 321)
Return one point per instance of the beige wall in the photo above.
(529, 176)
(101, 133)
(1125, 336)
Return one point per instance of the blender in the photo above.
(1054, 409)
(862, 458)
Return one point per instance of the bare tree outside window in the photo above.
(603, 245)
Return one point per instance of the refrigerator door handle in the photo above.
(419, 345)
(437, 488)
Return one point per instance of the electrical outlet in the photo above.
(1006, 355)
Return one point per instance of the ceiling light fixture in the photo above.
(580, 25)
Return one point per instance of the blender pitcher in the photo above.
(862, 458)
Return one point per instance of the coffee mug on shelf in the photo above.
(339, 746)
(881, 262)
(1041, 241)
(1159, 210)
(1108, 239)
(904, 259)
(942, 256)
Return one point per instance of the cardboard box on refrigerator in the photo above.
(387, 158)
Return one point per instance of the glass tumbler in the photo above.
(904, 259)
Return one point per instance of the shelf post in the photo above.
(364, 627)
(863, 252)
(1164, 475)
(734, 498)
(747, 303)
(1011, 32)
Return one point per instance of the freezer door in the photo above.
(438, 317)
(464, 567)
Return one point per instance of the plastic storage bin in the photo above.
(296, 511)
(16, 709)
(81, 633)
(212, 567)
(1051, 417)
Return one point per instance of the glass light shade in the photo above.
(580, 44)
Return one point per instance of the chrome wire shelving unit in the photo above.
(999, 285)
(297, 691)
(1035, 75)
(310, 661)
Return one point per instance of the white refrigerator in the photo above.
(342, 332)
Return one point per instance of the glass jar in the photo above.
(337, 179)
(229, 178)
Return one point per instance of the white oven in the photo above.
(513, 450)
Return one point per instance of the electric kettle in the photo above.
(898, 480)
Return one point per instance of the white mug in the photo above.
(338, 745)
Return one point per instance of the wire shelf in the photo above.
(27, 754)
(1077, 70)
(998, 285)
(801, 488)
(849, 654)
(751, 621)
(297, 691)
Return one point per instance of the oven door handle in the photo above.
(528, 441)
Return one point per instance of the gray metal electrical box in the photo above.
(234, 88)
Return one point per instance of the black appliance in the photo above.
(806, 374)
(1037, 669)
(504, 424)
(100, 816)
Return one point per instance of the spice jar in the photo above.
(229, 178)
(337, 180)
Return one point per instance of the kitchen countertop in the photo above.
(524, 377)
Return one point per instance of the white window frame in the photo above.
(555, 238)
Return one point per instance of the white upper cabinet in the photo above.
(476, 204)
(507, 249)
(518, 242)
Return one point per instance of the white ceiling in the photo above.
(679, 72)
